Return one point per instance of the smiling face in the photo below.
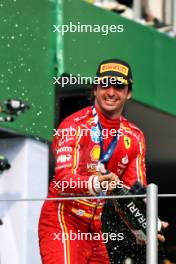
(110, 100)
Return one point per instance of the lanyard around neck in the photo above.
(104, 156)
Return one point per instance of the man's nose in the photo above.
(111, 91)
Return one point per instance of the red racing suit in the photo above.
(77, 152)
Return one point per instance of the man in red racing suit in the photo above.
(70, 230)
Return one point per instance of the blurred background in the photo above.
(31, 105)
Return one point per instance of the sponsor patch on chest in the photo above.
(122, 164)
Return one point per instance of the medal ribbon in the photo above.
(105, 156)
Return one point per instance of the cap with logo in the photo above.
(117, 68)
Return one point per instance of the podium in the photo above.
(27, 179)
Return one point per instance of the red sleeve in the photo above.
(66, 147)
(136, 169)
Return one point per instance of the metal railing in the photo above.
(152, 215)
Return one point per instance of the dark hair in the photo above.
(130, 87)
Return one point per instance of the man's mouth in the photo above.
(108, 100)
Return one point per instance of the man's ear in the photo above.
(129, 95)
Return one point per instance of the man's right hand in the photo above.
(108, 181)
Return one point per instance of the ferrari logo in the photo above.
(127, 142)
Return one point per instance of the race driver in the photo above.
(70, 230)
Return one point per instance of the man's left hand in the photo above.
(161, 238)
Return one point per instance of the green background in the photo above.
(27, 54)
(151, 54)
